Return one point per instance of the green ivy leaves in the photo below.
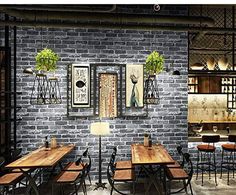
(154, 63)
(46, 60)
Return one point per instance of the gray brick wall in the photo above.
(167, 121)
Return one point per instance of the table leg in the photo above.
(164, 180)
(32, 183)
(152, 177)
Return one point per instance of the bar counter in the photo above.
(223, 135)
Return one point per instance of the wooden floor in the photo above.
(209, 188)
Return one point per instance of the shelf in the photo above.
(211, 72)
(204, 122)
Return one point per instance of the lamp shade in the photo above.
(100, 128)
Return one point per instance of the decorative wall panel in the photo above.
(107, 95)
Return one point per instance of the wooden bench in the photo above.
(71, 166)
(9, 179)
(123, 165)
(67, 177)
(176, 173)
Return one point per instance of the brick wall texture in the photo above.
(167, 121)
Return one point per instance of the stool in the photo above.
(228, 156)
(205, 154)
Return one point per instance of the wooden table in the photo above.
(155, 155)
(40, 158)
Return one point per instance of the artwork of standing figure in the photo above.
(134, 86)
(134, 99)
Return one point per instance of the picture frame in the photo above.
(108, 95)
(134, 83)
(80, 86)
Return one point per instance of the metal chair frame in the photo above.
(228, 161)
(204, 157)
(188, 167)
(110, 174)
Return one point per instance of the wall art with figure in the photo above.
(134, 86)
(80, 84)
(108, 95)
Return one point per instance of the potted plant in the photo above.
(46, 60)
(154, 64)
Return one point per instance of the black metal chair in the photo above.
(8, 179)
(228, 157)
(75, 177)
(205, 154)
(181, 162)
(184, 173)
(77, 165)
(115, 176)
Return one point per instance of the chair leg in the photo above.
(221, 165)
(133, 187)
(76, 190)
(197, 164)
(228, 167)
(169, 191)
(112, 187)
(185, 186)
(89, 179)
(233, 162)
(52, 188)
(85, 188)
(209, 165)
(13, 190)
(190, 186)
(214, 156)
(202, 168)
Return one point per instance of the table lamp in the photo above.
(100, 128)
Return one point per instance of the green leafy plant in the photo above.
(46, 60)
(154, 63)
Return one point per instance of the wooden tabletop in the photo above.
(156, 154)
(41, 158)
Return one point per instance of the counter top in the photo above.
(223, 135)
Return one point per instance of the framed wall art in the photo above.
(108, 95)
(134, 86)
(80, 85)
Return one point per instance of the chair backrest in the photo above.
(188, 166)
(210, 138)
(232, 138)
(82, 158)
(111, 168)
(15, 154)
(180, 152)
(115, 150)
